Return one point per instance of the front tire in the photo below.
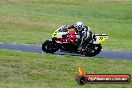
(50, 46)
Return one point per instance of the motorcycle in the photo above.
(64, 40)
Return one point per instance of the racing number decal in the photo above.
(55, 34)
(100, 38)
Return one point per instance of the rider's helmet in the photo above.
(79, 26)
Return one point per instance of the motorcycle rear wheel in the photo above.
(92, 50)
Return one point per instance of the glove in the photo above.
(64, 28)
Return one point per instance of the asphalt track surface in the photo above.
(108, 54)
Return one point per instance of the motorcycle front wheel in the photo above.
(50, 46)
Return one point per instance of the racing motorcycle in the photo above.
(64, 40)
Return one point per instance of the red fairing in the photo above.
(64, 40)
(72, 37)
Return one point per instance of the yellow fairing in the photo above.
(102, 38)
(55, 34)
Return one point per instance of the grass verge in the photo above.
(28, 70)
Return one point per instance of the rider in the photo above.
(83, 31)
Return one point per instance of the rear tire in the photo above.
(50, 46)
(92, 50)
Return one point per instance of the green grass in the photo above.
(33, 21)
(27, 70)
